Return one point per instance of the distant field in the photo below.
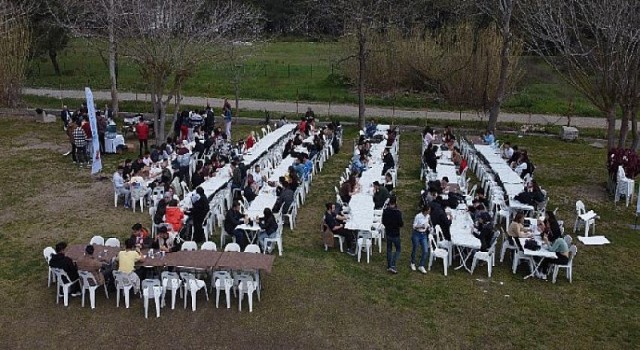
(304, 71)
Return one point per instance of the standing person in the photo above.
(226, 113)
(102, 129)
(392, 221)
(86, 126)
(65, 115)
(70, 130)
(209, 121)
(421, 228)
(142, 130)
(80, 140)
(198, 213)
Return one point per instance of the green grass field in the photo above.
(317, 299)
(303, 71)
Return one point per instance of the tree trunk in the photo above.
(176, 110)
(362, 66)
(237, 96)
(624, 126)
(112, 64)
(496, 104)
(53, 55)
(611, 127)
(634, 129)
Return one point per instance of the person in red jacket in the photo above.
(251, 140)
(142, 129)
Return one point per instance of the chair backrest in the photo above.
(87, 279)
(580, 209)
(252, 248)
(62, 276)
(48, 252)
(439, 235)
(494, 240)
(568, 239)
(572, 252)
(621, 174)
(232, 247)
(121, 279)
(112, 242)
(432, 243)
(209, 246)
(472, 193)
(189, 245)
(171, 280)
(98, 240)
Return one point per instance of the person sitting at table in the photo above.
(488, 138)
(387, 159)
(198, 213)
(165, 241)
(127, 260)
(514, 157)
(89, 263)
(532, 195)
(232, 219)
(427, 136)
(292, 178)
(380, 195)
(121, 187)
(430, 158)
(391, 136)
(388, 182)
(127, 169)
(348, 189)
(444, 184)
(161, 208)
(285, 197)
(60, 261)
(359, 165)
(516, 228)
(174, 215)
(298, 166)
(506, 151)
(558, 246)
(250, 191)
(258, 178)
(137, 165)
(456, 157)
(141, 236)
(447, 134)
(440, 217)
(269, 228)
(308, 166)
(483, 230)
(146, 159)
(333, 220)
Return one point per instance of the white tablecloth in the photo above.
(461, 230)
(265, 143)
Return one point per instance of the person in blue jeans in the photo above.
(392, 221)
(421, 228)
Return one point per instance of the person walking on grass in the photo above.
(142, 130)
(421, 228)
(392, 221)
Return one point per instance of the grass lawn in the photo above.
(303, 71)
(316, 299)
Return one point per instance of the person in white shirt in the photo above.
(428, 136)
(147, 159)
(421, 228)
(258, 178)
(121, 187)
(507, 151)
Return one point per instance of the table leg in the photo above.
(536, 266)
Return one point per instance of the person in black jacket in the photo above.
(388, 160)
(269, 228)
(285, 198)
(198, 213)
(439, 217)
(392, 221)
(483, 231)
(429, 157)
(232, 219)
(61, 261)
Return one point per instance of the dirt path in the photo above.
(336, 109)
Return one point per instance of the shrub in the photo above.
(626, 157)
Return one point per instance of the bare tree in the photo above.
(14, 51)
(97, 21)
(501, 11)
(584, 41)
(168, 40)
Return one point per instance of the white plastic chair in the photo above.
(291, 214)
(232, 247)
(252, 248)
(61, 277)
(340, 239)
(489, 256)
(364, 243)
(189, 246)
(277, 240)
(151, 289)
(519, 255)
(507, 244)
(443, 243)
(122, 283)
(112, 242)
(48, 252)
(170, 281)
(624, 186)
(209, 246)
(191, 286)
(569, 266)
(222, 280)
(438, 253)
(246, 286)
(97, 240)
(581, 210)
(89, 283)
(224, 235)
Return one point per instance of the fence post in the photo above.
(311, 71)
(289, 70)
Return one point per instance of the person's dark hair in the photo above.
(328, 205)
(480, 207)
(129, 243)
(89, 249)
(267, 213)
(445, 178)
(393, 200)
(120, 167)
(128, 160)
(236, 204)
(162, 229)
(141, 118)
(60, 246)
(136, 227)
(426, 208)
(173, 203)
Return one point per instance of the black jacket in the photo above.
(61, 261)
(269, 225)
(285, 199)
(231, 220)
(392, 221)
(439, 217)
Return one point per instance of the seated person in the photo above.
(444, 184)
(285, 198)
(558, 246)
(89, 263)
(380, 195)
(488, 138)
(360, 164)
(440, 217)
(141, 236)
(127, 260)
(430, 158)
(348, 189)
(232, 219)
(269, 227)
(60, 261)
(456, 157)
(121, 187)
(174, 215)
(388, 182)
(258, 178)
(250, 191)
(332, 221)
(387, 159)
(251, 140)
(507, 151)
(483, 231)
(165, 241)
(517, 229)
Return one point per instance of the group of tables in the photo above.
(198, 259)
